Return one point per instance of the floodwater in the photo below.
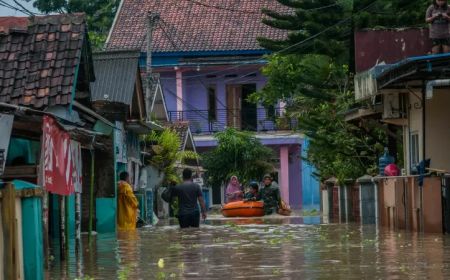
(269, 248)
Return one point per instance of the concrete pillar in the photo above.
(284, 173)
(179, 78)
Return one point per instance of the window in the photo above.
(414, 149)
(212, 116)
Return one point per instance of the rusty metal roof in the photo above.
(39, 59)
(116, 73)
(375, 46)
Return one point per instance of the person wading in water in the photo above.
(188, 194)
(127, 204)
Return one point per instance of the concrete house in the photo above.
(209, 62)
(403, 86)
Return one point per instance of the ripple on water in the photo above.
(260, 251)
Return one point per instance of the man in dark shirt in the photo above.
(188, 193)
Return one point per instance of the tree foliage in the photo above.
(166, 154)
(389, 13)
(309, 71)
(318, 93)
(237, 153)
(100, 14)
(307, 19)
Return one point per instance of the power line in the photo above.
(233, 113)
(21, 8)
(224, 8)
(199, 113)
(261, 59)
(277, 52)
(168, 36)
(9, 6)
(206, 88)
(25, 9)
(248, 12)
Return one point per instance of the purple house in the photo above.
(209, 62)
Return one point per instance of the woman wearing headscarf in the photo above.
(234, 190)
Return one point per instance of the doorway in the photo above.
(241, 114)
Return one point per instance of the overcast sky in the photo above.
(4, 11)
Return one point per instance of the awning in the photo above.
(141, 127)
(393, 76)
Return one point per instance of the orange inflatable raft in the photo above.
(243, 209)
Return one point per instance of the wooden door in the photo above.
(234, 94)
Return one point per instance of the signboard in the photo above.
(120, 143)
(6, 122)
(62, 160)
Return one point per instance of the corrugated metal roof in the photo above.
(416, 68)
(116, 74)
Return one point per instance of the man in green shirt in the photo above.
(270, 194)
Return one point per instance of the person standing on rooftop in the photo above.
(437, 16)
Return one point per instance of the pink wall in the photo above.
(284, 173)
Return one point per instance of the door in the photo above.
(234, 93)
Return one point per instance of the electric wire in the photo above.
(262, 59)
(248, 12)
(9, 6)
(196, 110)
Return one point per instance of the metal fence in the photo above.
(261, 119)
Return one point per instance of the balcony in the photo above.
(258, 120)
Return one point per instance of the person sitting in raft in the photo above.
(234, 191)
(252, 194)
(270, 195)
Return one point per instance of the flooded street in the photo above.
(270, 248)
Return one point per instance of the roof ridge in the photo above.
(76, 18)
(116, 54)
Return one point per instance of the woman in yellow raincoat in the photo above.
(127, 204)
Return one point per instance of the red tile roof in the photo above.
(38, 58)
(194, 25)
(7, 23)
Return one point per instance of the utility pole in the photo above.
(152, 22)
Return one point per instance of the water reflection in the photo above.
(288, 248)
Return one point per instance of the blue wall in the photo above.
(310, 184)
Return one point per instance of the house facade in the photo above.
(45, 74)
(404, 88)
(209, 63)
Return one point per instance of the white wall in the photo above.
(415, 126)
(437, 129)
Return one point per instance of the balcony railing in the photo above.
(205, 121)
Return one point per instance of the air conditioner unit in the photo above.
(393, 106)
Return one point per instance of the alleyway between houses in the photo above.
(271, 248)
